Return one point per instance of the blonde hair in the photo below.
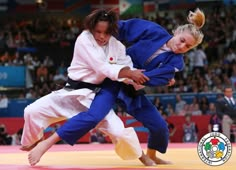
(196, 21)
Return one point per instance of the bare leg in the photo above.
(37, 152)
(146, 160)
(152, 154)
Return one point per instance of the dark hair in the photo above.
(228, 87)
(102, 15)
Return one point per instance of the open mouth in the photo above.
(100, 42)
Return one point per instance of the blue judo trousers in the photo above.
(140, 108)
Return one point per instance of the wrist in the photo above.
(125, 73)
(129, 74)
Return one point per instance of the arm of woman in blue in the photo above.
(162, 75)
(143, 38)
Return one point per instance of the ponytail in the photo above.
(196, 21)
(196, 18)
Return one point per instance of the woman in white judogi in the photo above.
(97, 55)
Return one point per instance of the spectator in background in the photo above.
(218, 85)
(170, 125)
(169, 110)
(158, 104)
(5, 138)
(180, 87)
(193, 108)
(206, 89)
(18, 61)
(231, 55)
(3, 101)
(62, 69)
(4, 58)
(215, 123)
(212, 109)
(208, 77)
(17, 137)
(97, 136)
(31, 94)
(59, 78)
(180, 105)
(204, 104)
(199, 59)
(42, 73)
(48, 62)
(196, 110)
(226, 108)
(190, 130)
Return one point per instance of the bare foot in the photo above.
(146, 160)
(37, 152)
(151, 153)
(160, 161)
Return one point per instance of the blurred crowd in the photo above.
(208, 68)
(45, 46)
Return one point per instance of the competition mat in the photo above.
(103, 157)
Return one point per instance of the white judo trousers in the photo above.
(64, 104)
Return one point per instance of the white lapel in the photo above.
(112, 47)
(98, 48)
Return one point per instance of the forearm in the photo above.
(160, 76)
(135, 75)
(125, 73)
(159, 80)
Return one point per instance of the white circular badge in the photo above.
(214, 149)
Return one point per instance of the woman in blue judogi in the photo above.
(151, 48)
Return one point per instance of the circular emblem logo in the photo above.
(214, 149)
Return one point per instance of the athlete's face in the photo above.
(181, 42)
(100, 33)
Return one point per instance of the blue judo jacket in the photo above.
(143, 38)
